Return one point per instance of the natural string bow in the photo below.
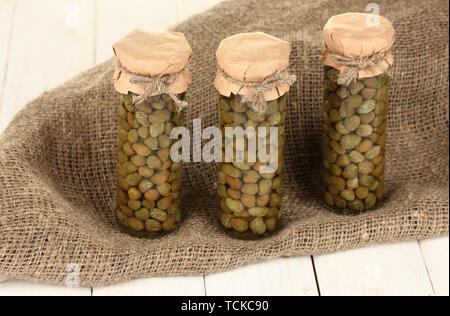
(356, 65)
(256, 97)
(161, 84)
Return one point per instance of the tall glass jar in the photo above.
(151, 78)
(253, 82)
(354, 143)
(357, 59)
(250, 197)
(149, 183)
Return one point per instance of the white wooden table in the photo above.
(44, 43)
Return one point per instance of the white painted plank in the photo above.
(22, 288)
(385, 270)
(436, 256)
(187, 8)
(116, 18)
(52, 40)
(177, 286)
(6, 18)
(281, 277)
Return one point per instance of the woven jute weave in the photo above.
(57, 158)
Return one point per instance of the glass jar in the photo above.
(151, 78)
(253, 81)
(250, 189)
(354, 142)
(149, 182)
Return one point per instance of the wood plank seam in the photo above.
(316, 276)
(436, 254)
(95, 35)
(383, 270)
(428, 270)
(6, 61)
(204, 285)
(94, 55)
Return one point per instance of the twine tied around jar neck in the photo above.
(256, 97)
(152, 84)
(356, 65)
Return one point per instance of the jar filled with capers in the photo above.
(357, 61)
(253, 82)
(151, 91)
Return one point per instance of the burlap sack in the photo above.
(57, 158)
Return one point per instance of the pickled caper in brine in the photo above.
(356, 142)
(149, 195)
(246, 190)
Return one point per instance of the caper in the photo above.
(149, 183)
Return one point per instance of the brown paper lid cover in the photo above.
(152, 54)
(358, 35)
(251, 57)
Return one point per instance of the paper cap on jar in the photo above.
(152, 55)
(358, 36)
(251, 58)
